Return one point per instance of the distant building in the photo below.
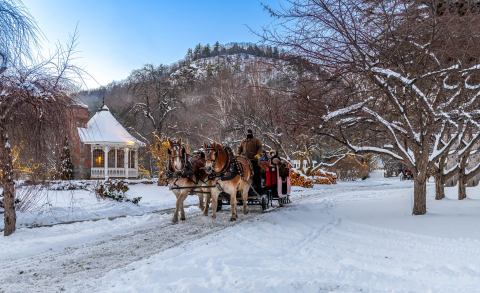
(296, 164)
(101, 147)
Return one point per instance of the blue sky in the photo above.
(117, 36)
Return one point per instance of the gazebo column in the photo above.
(91, 157)
(105, 156)
(136, 159)
(126, 160)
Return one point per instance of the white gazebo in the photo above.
(114, 151)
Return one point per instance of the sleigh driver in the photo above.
(250, 148)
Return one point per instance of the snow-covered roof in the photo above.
(103, 128)
(80, 103)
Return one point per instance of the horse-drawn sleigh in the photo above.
(219, 177)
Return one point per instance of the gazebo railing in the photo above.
(97, 173)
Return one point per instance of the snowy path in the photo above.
(72, 264)
(324, 242)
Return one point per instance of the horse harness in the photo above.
(230, 170)
(186, 172)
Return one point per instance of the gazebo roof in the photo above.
(103, 128)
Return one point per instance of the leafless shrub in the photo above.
(29, 198)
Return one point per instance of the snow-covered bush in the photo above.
(115, 189)
(70, 185)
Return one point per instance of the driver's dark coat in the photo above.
(250, 147)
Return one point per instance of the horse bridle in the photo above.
(182, 156)
(214, 161)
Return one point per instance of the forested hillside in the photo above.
(216, 93)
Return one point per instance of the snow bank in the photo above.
(60, 206)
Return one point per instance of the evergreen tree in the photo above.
(189, 56)
(257, 51)
(206, 51)
(275, 53)
(216, 49)
(223, 51)
(66, 166)
(269, 52)
(250, 50)
(197, 52)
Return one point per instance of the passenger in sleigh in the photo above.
(282, 175)
(264, 164)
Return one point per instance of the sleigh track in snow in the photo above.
(161, 211)
(64, 269)
(50, 271)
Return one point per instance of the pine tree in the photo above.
(216, 49)
(206, 51)
(189, 56)
(269, 52)
(197, 52)
(275, 53)
(66, 167)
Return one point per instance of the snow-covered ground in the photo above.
(60, 206)
(349, 237)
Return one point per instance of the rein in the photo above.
(177, 174)
(214, 162)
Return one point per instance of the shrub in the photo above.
(115, 189)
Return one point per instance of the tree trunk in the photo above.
(7, 184)
(420, 184)
(462, 189)
(419, 195)
(439, 187)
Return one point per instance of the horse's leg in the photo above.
(182, 210)
(177, 208)
(201, 202)
(214, 198)
(232, 191)
(245, 190)
(206, 201)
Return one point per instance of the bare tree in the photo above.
(410, 76)
(465, 148)
(18, 31)
(155, 100)
(33, 91)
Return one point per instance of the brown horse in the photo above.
(231, 173)
(187, 176)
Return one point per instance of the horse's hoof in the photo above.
(245, 212)
(174, 221)
(205, 214)
(214, 217)
(232, 219)
(183, 219)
